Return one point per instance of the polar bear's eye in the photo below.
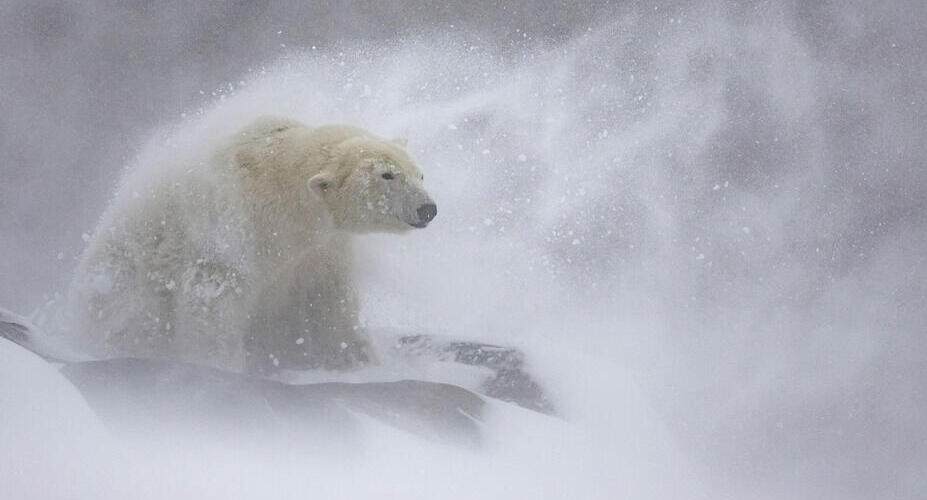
(387, 176)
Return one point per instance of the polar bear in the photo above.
(241, 259)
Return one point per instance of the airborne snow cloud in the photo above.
(704, 224)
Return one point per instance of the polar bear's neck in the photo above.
(288, 232)
(272, 171)
(291, 227)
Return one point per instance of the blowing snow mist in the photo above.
(703, 224)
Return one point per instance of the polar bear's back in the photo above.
(169, 213)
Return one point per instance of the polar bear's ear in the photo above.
(401, 141)
(319, 183)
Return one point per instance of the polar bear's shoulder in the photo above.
(247, 146)
(268, 125)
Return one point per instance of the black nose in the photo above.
(427, 212)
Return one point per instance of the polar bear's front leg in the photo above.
(211, 311)
(307, 318)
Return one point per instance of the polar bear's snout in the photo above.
(426, 213)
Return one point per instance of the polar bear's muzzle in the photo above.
(426, 212)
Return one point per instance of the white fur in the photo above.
(241, 259)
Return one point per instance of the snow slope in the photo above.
(55, 447)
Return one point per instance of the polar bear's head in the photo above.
(373, 185)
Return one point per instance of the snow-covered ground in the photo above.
(704, 226)
(55, 447)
